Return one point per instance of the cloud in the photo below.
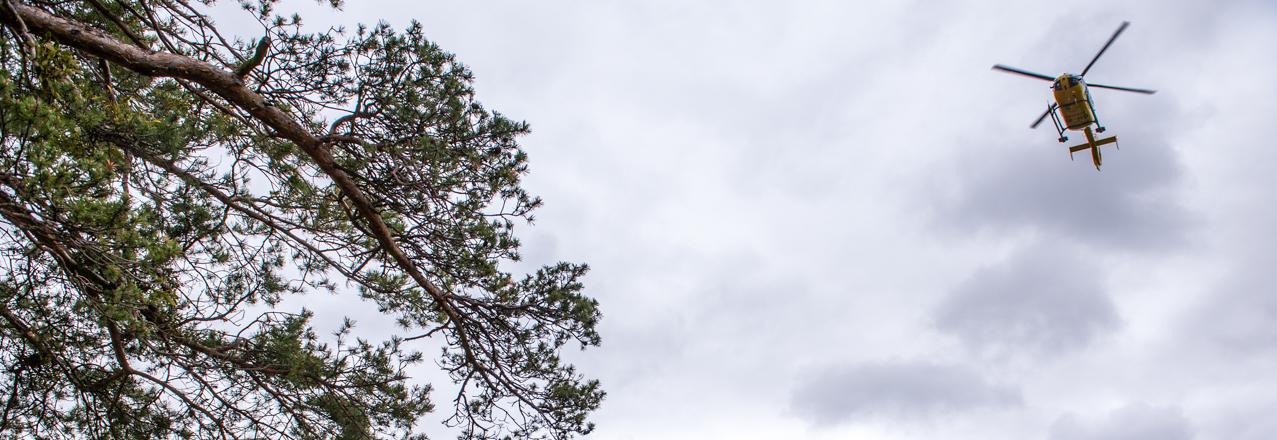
(1235, 317)
(761, 187)
(1044, 299)
(1131, 422)
(1134, 204)
(1250, 419)
(1239, 318)
(897, 390)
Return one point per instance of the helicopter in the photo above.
(1073, 100)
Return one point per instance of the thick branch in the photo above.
(23, 329)
(263, 46)
(231, 87)
(11, 17)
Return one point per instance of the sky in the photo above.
(830, 220)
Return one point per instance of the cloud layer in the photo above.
(762, 187)
(1041, 300)
(1131, 422)
(896, 390)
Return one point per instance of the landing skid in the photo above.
(1055, 119)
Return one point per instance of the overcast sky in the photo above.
(829, 220)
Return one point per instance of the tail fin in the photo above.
(1093, 145)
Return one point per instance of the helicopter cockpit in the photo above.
(1066, 81)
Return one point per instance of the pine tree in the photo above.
(163, 186)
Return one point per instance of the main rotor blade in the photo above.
(1124, 89)
(1022, 72)
(1048, 111)
(1106, 46)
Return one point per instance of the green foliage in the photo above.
(150, 228)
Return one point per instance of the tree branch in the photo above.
(231, 87)
(263, 46)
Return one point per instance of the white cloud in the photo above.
(911, 391)
(1131, 422)
(764, 186)
(1044, 299)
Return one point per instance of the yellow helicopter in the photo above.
(1073, 100)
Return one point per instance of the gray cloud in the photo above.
(898, 390)
(761, 186)
(1236, 312)
(1239, 318)
(1249, 420)
(1135, 203)
(1131, 422)
(1043, 299)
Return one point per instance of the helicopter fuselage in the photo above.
(1074, 101)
